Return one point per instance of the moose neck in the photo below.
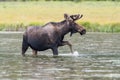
(63, 28)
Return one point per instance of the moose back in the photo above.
(51, 35)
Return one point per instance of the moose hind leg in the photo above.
(24, 46)
(34, 52)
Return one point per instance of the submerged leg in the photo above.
(55, 51)
(24, 48)
(34, 52)
(24, 45)
(69, 44)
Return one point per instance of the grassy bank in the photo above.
(91, 27)
(98, 16)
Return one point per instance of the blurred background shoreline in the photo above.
(98, 16)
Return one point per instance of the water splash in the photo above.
(75, 53)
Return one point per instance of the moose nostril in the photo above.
(83, 32)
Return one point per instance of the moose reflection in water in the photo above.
(51, 35)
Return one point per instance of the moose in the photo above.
(51, 35)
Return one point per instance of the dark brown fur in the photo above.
(51, 35)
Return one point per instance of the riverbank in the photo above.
(90, 27)
(98, 16)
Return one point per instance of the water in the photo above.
(96, 57)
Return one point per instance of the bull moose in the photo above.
(51, 35)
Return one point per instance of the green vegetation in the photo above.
(60, 0)
(100, 16)
(91, 27)
(95, 27)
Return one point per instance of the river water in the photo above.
(98, 58)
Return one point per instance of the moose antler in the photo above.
(76, 17)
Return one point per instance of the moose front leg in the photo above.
(67, 43)
(55, 51)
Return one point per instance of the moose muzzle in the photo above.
(83, 32)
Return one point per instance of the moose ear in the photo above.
(67, 17)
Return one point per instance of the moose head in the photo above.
(74, 27)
